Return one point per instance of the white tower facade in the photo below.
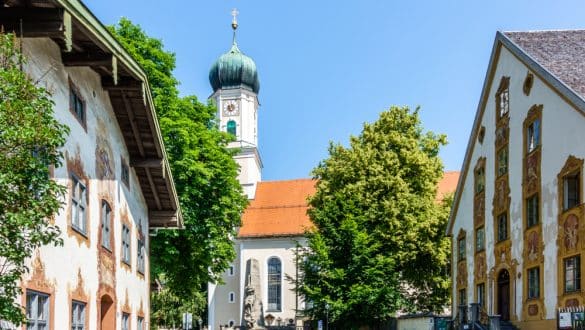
(238, 115)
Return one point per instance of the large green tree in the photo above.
(378, 244)
(204, 171)
(30, 142)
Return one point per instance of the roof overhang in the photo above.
(85, 41)
(562, 89)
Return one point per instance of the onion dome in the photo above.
(233, 70)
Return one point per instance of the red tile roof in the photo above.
(280, 207)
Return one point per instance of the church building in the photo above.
(517, 222)
(115, 170)
(259, 286)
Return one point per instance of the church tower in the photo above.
(235, 84)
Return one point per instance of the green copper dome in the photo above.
(234, 69)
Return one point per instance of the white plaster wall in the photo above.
(62, 263)
(561, 131)
(261, 249)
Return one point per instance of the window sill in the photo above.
(79, 231)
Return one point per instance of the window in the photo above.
(125, 244)
(533, 283)
(503, 161)
(503, 97)
(461, 249)
(231, 127)
(232, 297)
(462, 297)
(573, 274)
(76, 104)
(78, 205)
(571, 191)
(37, 311)
(140, 255)
(479, 239)
(532, 211)
(125, 321)
(125, 173)
(77, 315)
(502, 227)
(140, 322)
(231, 270)
(274, 275)
(533, 135)
(106, 223)
(481, 294)
(479, 180)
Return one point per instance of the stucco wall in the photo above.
(77, 260)
(261, 249)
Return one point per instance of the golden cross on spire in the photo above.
(235, 13)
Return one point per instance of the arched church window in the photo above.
(231, 127)
(274, 284)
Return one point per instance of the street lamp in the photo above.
(327, 315)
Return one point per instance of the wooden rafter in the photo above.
(37, 23)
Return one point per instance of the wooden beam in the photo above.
(37, 23)
(164, 218)
(87, 59)
(146, 162)
(124, 84)
(153, 188)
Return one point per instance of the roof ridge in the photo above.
(551, 30)
(288, 180)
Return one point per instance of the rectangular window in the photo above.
(571, 191)
(125, 321)
(504, 102)
(140, 255)
(533, 135)
(481, 294)
(533, 283)
(479, 180)
(78, 206)
(461, 249)
(232, 297)
(37, 310)
(125, 173)
(125, 244)
(573, 274)
(502, 227)
(462, 297)
(479, 239)
(77, 315)
(532, 211)
(140, 322)
(106, 223)
(503, 161)
(231, 270)
(76, 104)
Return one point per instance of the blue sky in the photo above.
(326, 67)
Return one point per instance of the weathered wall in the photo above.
(561, 127)
(78, 268)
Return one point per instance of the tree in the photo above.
(30, 142)
(377, 246)
(204, 171)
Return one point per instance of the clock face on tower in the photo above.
(230, 108)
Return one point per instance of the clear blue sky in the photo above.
(326, 67)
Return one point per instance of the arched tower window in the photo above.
(274, 284)
(231, 127)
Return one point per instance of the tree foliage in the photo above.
(30, 142)
(378, 246)
(204, 171)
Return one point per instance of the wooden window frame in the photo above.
(124, 172)
(106, 225)
(36, 321)
(74, 98)
(123, 325)
(78, 202)
(503, 98)
(78, 323)
(498, 232)
(126, 245)
(533, 136)
(577, 274)
(477, 247)
(461, 244)
(140, 255)
(532, 281)
(532, 211)
(576, 176)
